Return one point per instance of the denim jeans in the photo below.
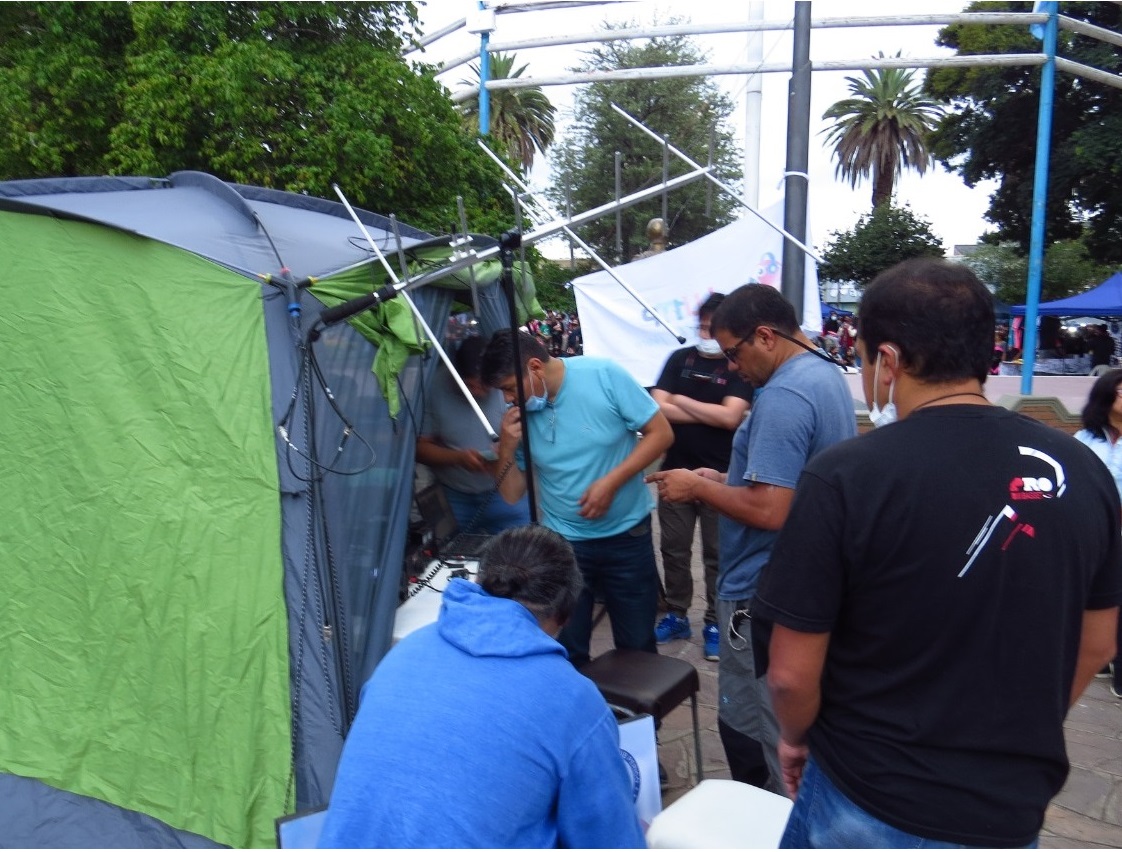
(621, 569)
(824, 818)
(486, 513)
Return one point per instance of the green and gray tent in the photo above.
(201, 549)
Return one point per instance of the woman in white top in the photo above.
(1102, 427)
(1102, 422)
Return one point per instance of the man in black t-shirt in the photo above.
(943, 590)
(705, 401)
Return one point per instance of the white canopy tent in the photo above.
(675, 283)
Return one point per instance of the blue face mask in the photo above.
(537, 403)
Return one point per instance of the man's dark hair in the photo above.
(534, 566)
(469, 357)
(747, 308)
(939, 315)
(710, 305)
(1096, 413)
(498, 358)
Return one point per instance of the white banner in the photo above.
(675, 283)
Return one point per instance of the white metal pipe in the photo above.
(428, 39)
(538, 5)
(1085, 28)
(685, 158)
(462, 59)
(993, 60)
(753, 109)
(551, 228)
(1090, 73)
(1018, 18)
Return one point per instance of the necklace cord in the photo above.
(950, 396)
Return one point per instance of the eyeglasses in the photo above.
(730, 353)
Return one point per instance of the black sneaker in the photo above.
(1105, 672)
(1116, 680)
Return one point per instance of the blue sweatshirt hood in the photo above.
(485, 626)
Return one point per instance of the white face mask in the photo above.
(708, 346)
(882, 416)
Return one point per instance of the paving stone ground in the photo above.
(1086, 814)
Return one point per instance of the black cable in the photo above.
(490, 496)
(309, 368)
(315, 513)
(340, 621)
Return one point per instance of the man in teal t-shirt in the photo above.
(583, 415)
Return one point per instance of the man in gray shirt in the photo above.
(454, 444)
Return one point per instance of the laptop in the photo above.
(447, 540)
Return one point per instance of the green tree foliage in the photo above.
(61, 75)
(521, 119)
(688, 111)
(294, 96)
(990, 133)
(1068, 270)
(881, 129)
(880, 239)
(551, 280)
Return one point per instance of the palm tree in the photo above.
(882, 129)
(521, 119)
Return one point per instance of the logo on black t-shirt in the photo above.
(1037, 487)
(1024, 487)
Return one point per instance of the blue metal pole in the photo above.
(484, 76)
(1039, 198)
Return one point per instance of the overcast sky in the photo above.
(954, 210)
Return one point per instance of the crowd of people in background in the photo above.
(839, 339)
(559, 333)
(1101, 341)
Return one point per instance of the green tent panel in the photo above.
(145, 645)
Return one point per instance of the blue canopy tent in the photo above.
(1102, 301)
(828, 309)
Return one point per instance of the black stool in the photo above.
(641, 682)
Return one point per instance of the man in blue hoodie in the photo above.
(477, 732)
